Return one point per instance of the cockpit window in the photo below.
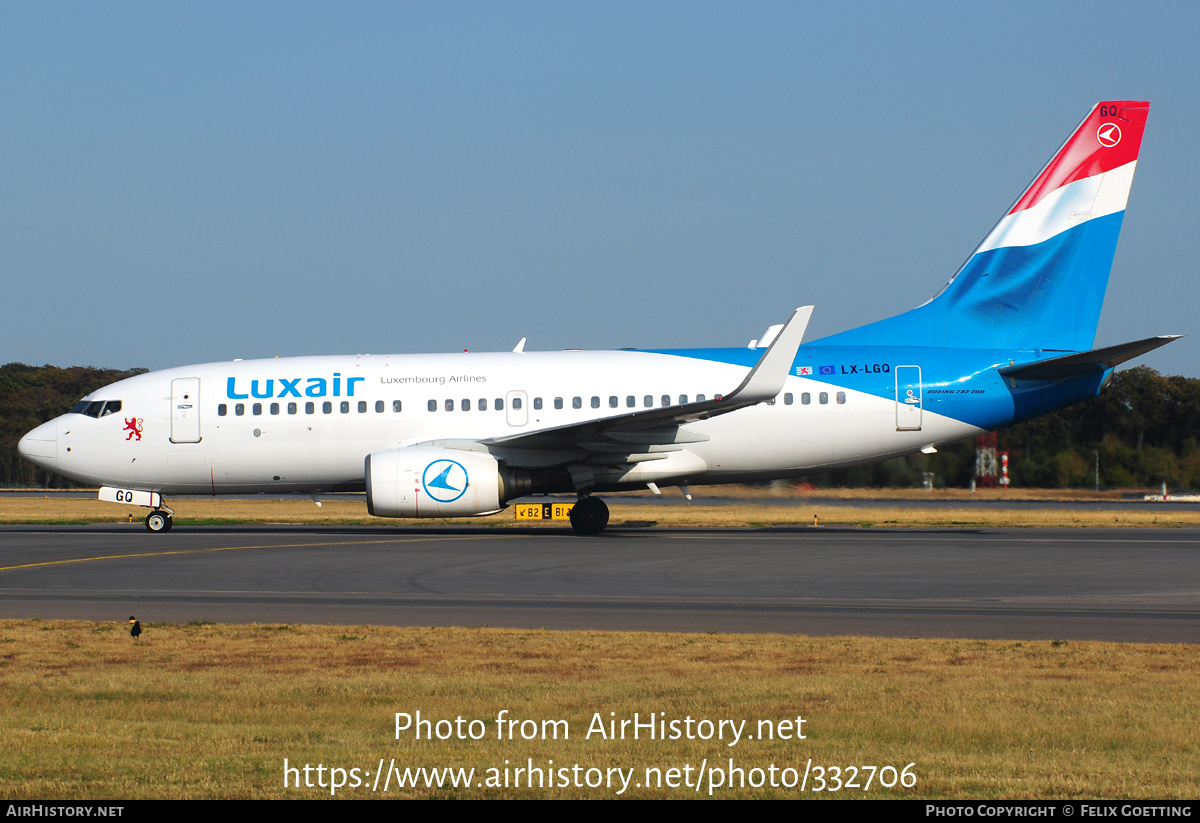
(96, 408)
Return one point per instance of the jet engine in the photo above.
(435, 481)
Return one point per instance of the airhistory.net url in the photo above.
(706, 778)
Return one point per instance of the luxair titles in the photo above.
(323, 387)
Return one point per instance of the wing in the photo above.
(624, 433)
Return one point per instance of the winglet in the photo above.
(768, 337)
(766, 379)
(520, 347)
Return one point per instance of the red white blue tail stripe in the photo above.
(1037, 280)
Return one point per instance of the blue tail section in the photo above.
(1037, 281)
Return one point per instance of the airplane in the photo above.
(1008, 338)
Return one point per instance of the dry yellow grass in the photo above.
(744, 515)
(798, 491)
(792, 491)
(213, 710)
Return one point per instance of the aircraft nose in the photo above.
(40, 446)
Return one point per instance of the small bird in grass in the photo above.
(135, 628)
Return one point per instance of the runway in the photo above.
(1110, 584)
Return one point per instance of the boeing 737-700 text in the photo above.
(1008, 338)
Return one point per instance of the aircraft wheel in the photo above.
(158, 521)
(589, 516)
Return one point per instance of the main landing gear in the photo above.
(589, 515)
(160, 520)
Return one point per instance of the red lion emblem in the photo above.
(133, 425)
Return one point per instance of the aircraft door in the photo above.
(185, 410)
(908, 398)
(517, 404)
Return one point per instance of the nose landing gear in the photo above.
(160, 520)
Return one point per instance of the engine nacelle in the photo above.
(434, 481)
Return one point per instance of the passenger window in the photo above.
(466, 404)
(823, 398)
(558, 402)
(432, 405)
(841, 398)
(666, 400)
(787, 399)
(577, 402)
(362, 406)
(310, 408)
(516, 402)
(805, 399)
(222, 409)
(396, 406)
(379, 407)
(274, 408)
(683, 399)
(345, 407)
(699, 398)
(647, 401)
(771, 402)
(499, 404)
(256, 408)
(239, 409)
(291, 408)
(327, 407)
(613, 402)
(595, 402)
(630, 401)
(537, 403)
(482, 404)
(449, 405)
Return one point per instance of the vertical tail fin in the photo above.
(1037, 281)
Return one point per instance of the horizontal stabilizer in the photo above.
(1086, 362)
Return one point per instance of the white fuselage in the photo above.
(307, 423)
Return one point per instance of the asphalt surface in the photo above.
(1104, 584)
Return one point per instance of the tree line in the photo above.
(1142, 429)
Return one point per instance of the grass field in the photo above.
(213, 710)
(62, 510)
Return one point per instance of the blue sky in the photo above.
(187, 183)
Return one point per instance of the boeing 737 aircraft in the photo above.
(1008, 338)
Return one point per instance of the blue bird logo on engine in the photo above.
(444, 480)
